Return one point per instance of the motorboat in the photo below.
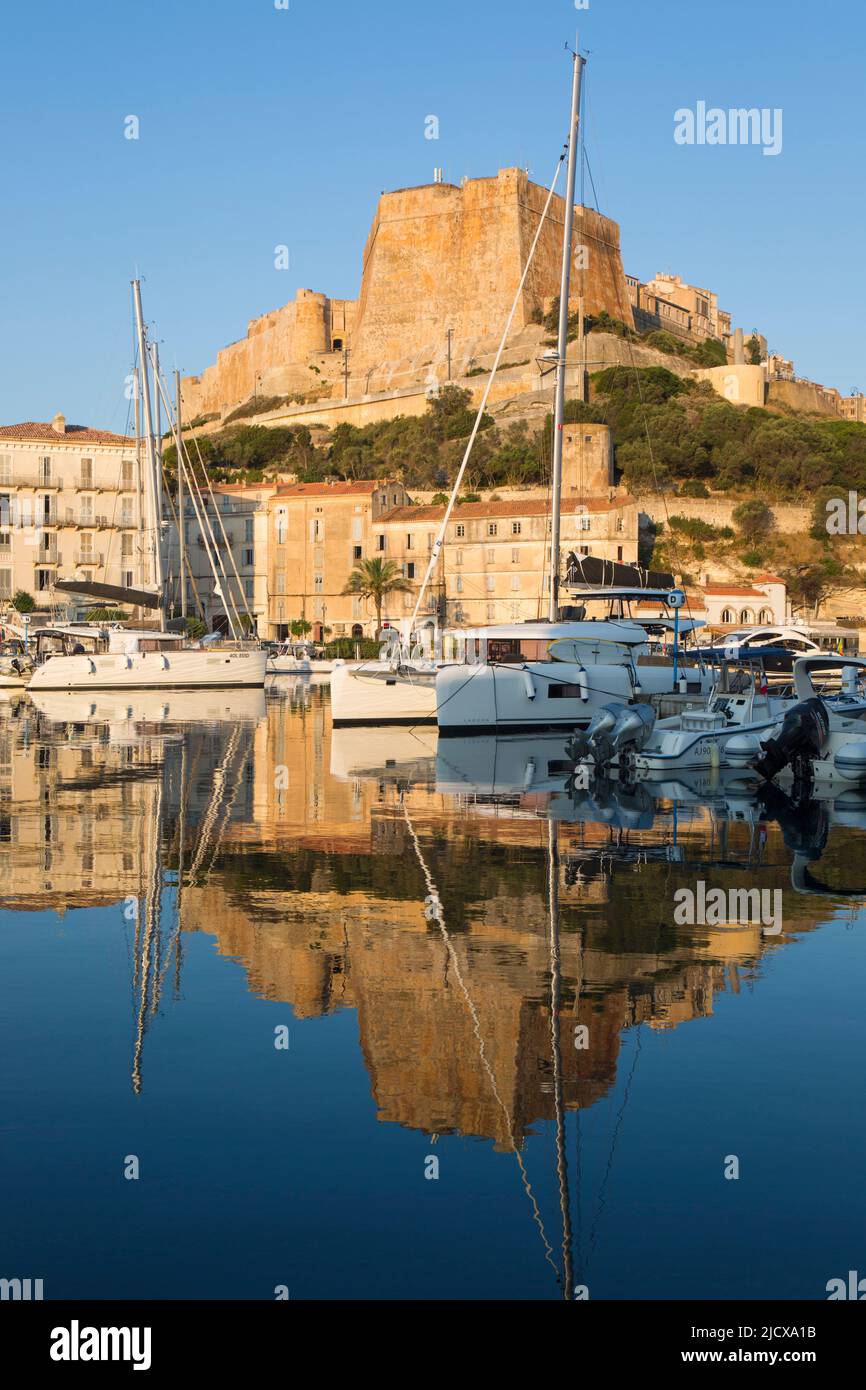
(16, 665)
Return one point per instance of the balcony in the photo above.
(35, 480)
(87, 557)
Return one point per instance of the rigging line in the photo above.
(613, 1145)
(229, 550)
(438, 543)
(438, 916)
(214, 559)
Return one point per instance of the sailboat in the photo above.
(87, 657)
(559, 674)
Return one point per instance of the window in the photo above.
(491, 528)
(410, 570)
(249, 556)
(128, 579)
(458, 558)
(5, 583)
(563, 692)
(356, 552)
(281, 525)
(491, 611)
(430, 539)
(460, 583)
(380, 542)
(585, 522)
(408, 542)
(126, 473)
(248, 530)
(515, 582)
(357, 529)
(45, 470)
(515, 557)
(248, 588)
(460, 530)
(765, 616)
(318, 582)
(515, 528)
(280, 582)
(126, 547)
(44, 579)
(5, 468)
(728, 615)
(127, 516)
(491, 556)
(87, 472)
(746, 615)
(491, 582)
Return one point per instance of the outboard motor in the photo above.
(632, 729)
(803, 736)
(583, 741)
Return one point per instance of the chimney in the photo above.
(58, 424)
(739, 353)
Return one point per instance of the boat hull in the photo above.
(183, 670)
(376, 694)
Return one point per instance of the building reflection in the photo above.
(342, 876)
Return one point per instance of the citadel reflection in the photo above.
(477, 915)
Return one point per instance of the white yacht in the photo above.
(86, 657)
(557, 675)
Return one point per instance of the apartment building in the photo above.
(69, 508)
(495, 561)
(317, 533)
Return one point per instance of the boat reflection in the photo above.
(474, 906)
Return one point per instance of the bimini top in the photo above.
(827, 661)
(620, 630)
(619, 591)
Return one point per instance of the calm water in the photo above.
(181, 886)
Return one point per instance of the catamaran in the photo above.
(97, 657)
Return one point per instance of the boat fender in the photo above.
(850, 761)
(529, 684)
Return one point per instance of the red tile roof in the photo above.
(74, 434)
(532, 506)
(331, 489)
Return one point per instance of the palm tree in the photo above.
(376, 579)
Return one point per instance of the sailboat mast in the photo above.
(181, 502)
(562, 341)
(144, 361)
(157, 427)
(143, 576)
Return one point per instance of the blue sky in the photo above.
(261, 127)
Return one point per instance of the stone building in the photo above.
(69, 508)
(440, 270)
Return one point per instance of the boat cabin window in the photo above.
(503, 649)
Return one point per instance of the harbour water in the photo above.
(346, 1016)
